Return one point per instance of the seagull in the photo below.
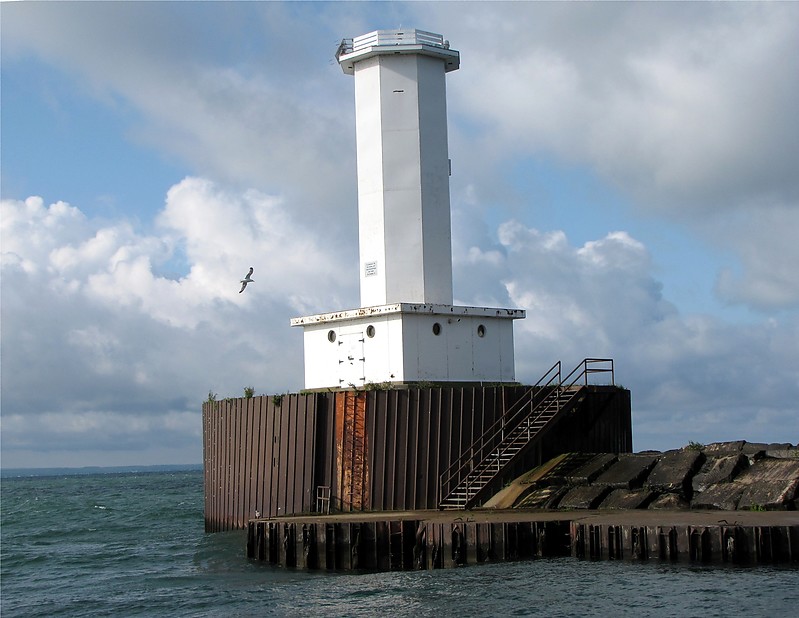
(246, 280)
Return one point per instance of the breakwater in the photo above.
(725, 476)
(732, 502)
(436, 540)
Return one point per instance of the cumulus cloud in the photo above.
(685, 111)
(91, 331)
(692, 377)
(114, 331)
(111, 356)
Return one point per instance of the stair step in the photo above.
(511, 444)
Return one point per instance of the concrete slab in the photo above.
(724, 448)
(542, 498)
(670, 502)
(769, 484)
(719, 469)
(755, 450)
(628, 472)
(584, 497)
(771, 470)
(523, 485)
(770, 496)
(637, 517)
(721, 496)
(782, 452)
(563, 472)
(624, 499)
(590, 471)
(673, 472)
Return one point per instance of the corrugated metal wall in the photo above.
(416, 434)
(373, 450)
(258, 457)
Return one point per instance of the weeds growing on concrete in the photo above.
(378, 386)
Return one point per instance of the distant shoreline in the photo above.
(84, 470)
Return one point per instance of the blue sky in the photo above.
(625, 172)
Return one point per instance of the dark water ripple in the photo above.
(133, 545)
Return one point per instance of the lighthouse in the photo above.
(407, 330)
(411, 401)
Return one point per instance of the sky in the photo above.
(627, 173)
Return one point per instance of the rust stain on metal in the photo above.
(351, 450)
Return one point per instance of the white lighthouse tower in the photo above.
(407, 329)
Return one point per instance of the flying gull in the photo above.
(246, 280)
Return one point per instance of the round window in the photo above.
(370, 331)
(436, 329)
(481, 331)
(331, 336)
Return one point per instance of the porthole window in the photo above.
(370, 331)
(481, 331)
(331, 336)
(436, 329)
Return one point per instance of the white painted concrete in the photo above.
(407, 330)
(403, 177)
(409, 343)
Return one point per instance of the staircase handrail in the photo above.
(513, 417)
(586, 368)
(504, 422)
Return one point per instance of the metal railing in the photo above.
(588, 367)
(323, 498)
(390, 37)
(548, 395)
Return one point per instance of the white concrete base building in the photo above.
(407, 330)
(408, 343)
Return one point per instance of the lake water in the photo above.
(133, 544)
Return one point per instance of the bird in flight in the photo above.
(246, 280)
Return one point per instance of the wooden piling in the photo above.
(434, 540)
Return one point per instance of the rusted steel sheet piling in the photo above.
(437, 541)
(371, 450)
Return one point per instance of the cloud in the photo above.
(768, 252)
(102, 353)
(92, 333)
(270, 118)
(687, 112)
(686, 107)
(114, 331)
(692, 377)
(593, 300)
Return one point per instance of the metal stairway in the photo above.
(517, 429)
